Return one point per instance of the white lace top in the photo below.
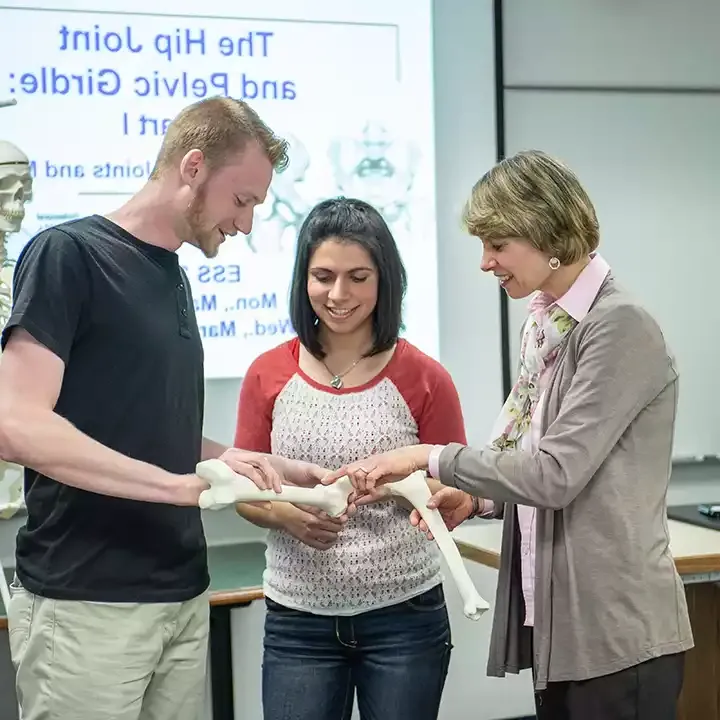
(379, 558)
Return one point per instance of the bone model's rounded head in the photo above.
(15, 186)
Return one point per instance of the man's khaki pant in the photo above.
(108, 661)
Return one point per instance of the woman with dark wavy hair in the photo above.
(354, 605)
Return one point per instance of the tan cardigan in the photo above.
(607, 593)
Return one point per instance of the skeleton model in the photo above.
(228, 488)
(15, 192)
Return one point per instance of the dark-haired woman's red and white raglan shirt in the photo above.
(379, 559)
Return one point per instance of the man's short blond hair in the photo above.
(535, 197)
(219, 127)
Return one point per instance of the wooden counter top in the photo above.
(696, 550)
(236, 569)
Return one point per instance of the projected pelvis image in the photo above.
(372, 165)
(378, 168)
(278, 220)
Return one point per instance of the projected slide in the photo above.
(351, 90)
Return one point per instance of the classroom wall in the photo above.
(628, 94)
(568, 67)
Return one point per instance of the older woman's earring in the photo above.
(554, 263)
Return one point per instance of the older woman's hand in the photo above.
(384, 468)
(454, 506)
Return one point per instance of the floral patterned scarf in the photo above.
(547, 326)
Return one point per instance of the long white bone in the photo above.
(228, 488)
(414, 488)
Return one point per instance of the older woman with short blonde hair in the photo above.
(577, 466)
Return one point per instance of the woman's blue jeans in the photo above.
(395, 658)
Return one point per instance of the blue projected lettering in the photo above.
(219, 274)
(206, 303)
(53, 81)
(209, 303)
(278, 327)
(104, 42)
(223, 329)
(111, 81)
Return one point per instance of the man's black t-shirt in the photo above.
(119, 313)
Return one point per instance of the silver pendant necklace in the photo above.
(337, 379)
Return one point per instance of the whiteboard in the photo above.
(651, 163)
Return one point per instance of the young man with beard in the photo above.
(101, 399)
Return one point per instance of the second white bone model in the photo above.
(228, 488)
(415, 489)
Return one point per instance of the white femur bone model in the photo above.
(228, 488)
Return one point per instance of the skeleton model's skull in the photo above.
(15, 187)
